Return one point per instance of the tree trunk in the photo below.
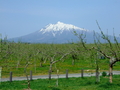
(111, 68)
(73, 62)
(110, 73)
(18, 63)
(97, 74)
(41, 64)
(50, 68)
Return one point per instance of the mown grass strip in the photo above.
(86, 83)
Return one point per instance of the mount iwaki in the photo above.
(56, 33)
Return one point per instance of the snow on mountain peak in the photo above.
(59, 22)
(59, 26)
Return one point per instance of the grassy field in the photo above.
(21, 58)
(15, 56)
(86, 83)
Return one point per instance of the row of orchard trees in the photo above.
(21, 56)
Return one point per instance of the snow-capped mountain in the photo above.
(56, 33)
(59, 27)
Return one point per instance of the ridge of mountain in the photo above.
(57, 33)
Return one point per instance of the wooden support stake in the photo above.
(30, 75)
(0, 74)
(10, 76)
(49, 74)
(82, 73)
(67, 74)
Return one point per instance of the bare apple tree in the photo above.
(108, 49)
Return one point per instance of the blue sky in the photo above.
(21, 17)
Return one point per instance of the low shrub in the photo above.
(104, 74)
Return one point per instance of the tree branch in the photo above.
(61, 58)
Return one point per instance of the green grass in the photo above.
(86, 83)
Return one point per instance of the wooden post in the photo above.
(10, 76)
(30, 75)
(49, 74)
(0, 74)
(82, 73)
(67, 74)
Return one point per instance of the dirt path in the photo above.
(55, 76)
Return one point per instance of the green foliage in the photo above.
(104, 74)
